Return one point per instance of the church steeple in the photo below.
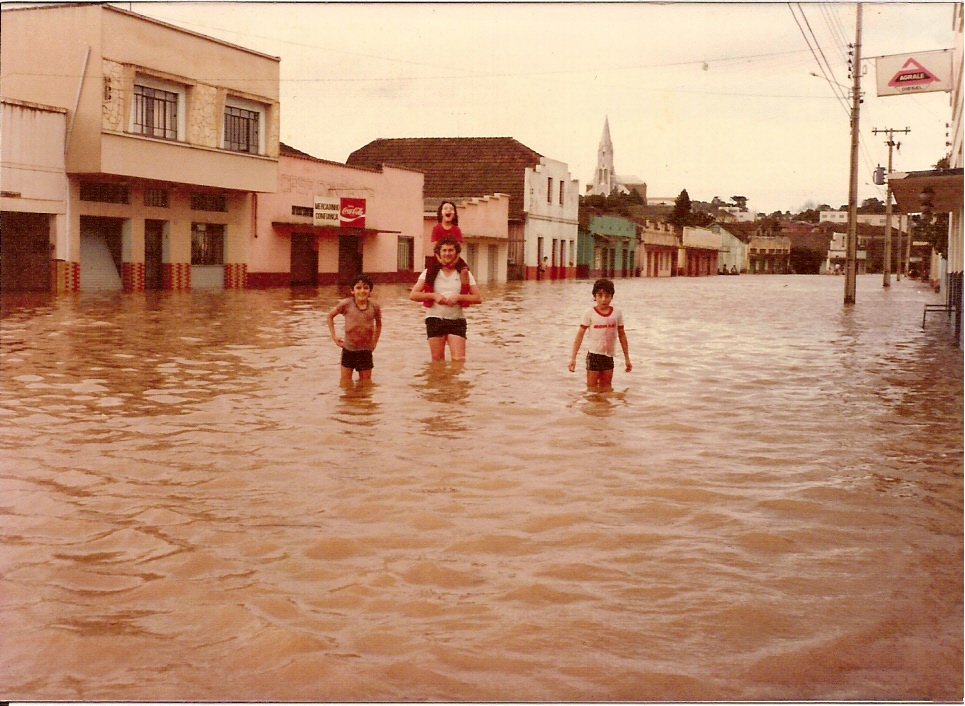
(603, 177)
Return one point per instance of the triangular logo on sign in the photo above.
(912, 74)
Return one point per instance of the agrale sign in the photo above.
(924, 72)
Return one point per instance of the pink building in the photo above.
(328, 222)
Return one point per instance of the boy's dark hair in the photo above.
(603, 285)
(364, 279)
(455, 213)
(437, 248)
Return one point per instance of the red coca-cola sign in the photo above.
(352, 213)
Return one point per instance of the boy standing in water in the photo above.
(605, 325)
(363, 326)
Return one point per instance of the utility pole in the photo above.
(851, 270)
(886, 281)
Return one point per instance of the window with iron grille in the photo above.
(202, 201)
(104, 192)
(241, 129)
(405, 261)
(155, 112)
(207, 244)
(158, 198)
(549, 190)
(303, 211)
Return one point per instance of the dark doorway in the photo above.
(153, 254)
(24, 252)
(304, 260)
(349, 258)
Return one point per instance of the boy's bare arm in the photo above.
(331, 327)
(626, 347)
(378, 332)
(576, 348)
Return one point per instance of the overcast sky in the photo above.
(717, 99)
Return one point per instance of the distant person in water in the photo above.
(604, 323)
(363, 326)
(445, 319)
(447, 226)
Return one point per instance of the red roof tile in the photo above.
(457, 167)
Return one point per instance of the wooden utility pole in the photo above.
(886, 281)
(851, 270)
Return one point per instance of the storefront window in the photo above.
(207, 244)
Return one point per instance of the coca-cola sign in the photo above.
(352, 213)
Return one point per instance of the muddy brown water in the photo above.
(768, 507)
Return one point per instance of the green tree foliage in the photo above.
(933, 230)
(872, 205)
(684, 214)
(805, 261)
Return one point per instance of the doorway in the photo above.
(349, 258)
(304, 260)
(154, 254)
(25, 248)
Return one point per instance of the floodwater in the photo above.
(768, 507)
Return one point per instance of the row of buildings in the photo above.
(128, 163)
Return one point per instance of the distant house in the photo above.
(607, 246)
(543, 197)
(699, 252)
(658, 249)
(733, 251)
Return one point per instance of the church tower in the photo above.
(603, 178)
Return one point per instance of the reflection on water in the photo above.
(768, 507)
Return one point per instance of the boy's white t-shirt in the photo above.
(601, 331)
(450, 285)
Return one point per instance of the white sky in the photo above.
(713, 98)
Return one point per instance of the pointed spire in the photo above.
(603, 177)
(605, 139)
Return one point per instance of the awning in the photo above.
(287, 227)
(943, 187)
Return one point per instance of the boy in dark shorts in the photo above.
(605, 325)
(363, 326)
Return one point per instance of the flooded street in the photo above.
(768, 507)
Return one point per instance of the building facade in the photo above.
(769, 255)
(608, 247)
(162, 154)
(328, 222)
(733, 252)
(699, 252)
(33, 203)
(543, 197)
(658, 249)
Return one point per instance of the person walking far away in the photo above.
(541, 269)
(446, 227)
(445, 319)
(363, 326)
(604, 323)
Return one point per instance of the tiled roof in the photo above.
(457, 167)
(289, 151)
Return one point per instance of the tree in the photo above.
(932, 230)
(872, 205)
(741, 202)
(680, 216)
